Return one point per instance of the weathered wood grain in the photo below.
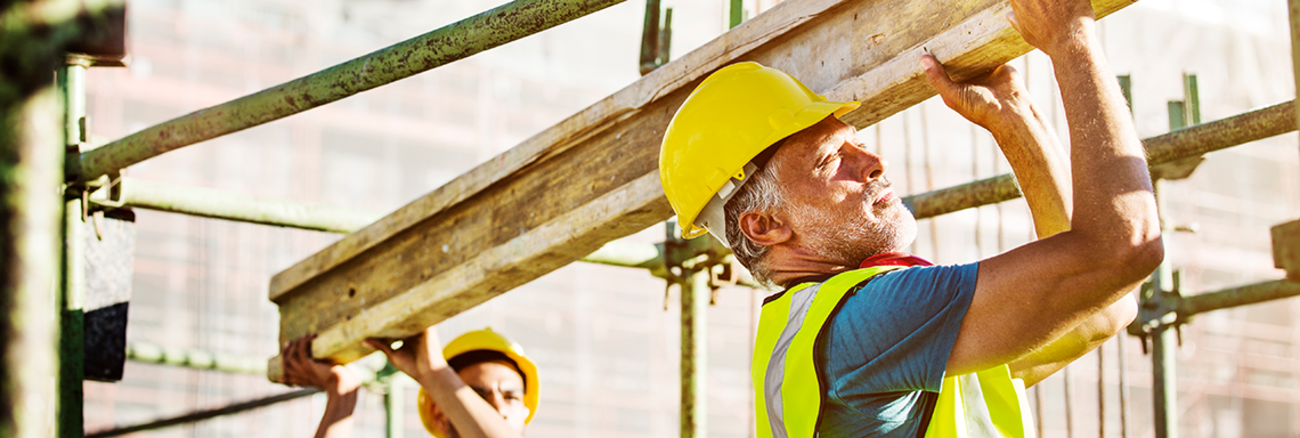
(593, 177)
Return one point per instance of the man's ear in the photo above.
(764, 229)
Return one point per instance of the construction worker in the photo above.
(866, 341)
(480, 385)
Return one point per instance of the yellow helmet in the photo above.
(485, 339)
(732, 117)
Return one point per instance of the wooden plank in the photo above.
(593, 177)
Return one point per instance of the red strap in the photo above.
(894, 259)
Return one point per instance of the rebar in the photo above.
(489, 29)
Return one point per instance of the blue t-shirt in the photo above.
(883, 355)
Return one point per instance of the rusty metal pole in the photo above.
(1295, 48)
(695, 353)
(456, 41)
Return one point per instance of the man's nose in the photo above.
(871, 165)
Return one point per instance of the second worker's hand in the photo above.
(301, 369)
(419, 356)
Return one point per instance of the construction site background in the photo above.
(606, 348)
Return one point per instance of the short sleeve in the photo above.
(888, 345)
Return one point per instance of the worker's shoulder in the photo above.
(917, 287)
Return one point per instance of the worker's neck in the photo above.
(788, 263)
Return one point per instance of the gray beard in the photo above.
(848, 243)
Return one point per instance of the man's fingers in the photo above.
(381, 346)
(935, 74)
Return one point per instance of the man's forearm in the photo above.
(472, 416)
(337, 420)
(1041, 169)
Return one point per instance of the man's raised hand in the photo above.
(1053, 26)
(991, 100)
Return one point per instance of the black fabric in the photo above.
(460, 361)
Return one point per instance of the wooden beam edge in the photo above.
(444, 295)
(561, 137)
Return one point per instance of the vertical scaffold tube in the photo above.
(72, 87)
(695, 305)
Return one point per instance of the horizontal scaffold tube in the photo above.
(489, 29)
(1238, 296)
(146, 352)
(199, 201)
(1183, 143)
(205, 414)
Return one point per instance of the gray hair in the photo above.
(761, 194)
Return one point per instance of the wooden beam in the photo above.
(593, 177)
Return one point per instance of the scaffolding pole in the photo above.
(1188, 142)
(1238, 296)
(205, 202)
(145, 352)
(695, 354)
(205, 414)
(489, 29)
(72, 88)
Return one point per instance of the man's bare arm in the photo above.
(999, 102)
(421, 358)
(1036, 294)
(1042, 172)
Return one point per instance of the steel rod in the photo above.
(695, 353)
(1239, 296)
(1188, 142)
(205, 414)
(1294, 7)
(198, 201)
(146, 352)
(629, 254)
(489, 29)
(72, 354)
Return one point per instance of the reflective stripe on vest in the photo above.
(788, 394)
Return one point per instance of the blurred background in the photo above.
(606, 348)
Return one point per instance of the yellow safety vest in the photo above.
(788, 393)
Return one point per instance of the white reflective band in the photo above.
(712, 217)
(800, 302)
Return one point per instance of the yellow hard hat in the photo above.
(732, 117)
(485, 339)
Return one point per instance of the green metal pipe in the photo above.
(211, 203)
(489, 29)
(1188, 142)
(629, 255)
(394, 406)
(152, 353)
(205, 414)
(72, 354)
(1238, 296)
(695, 354)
